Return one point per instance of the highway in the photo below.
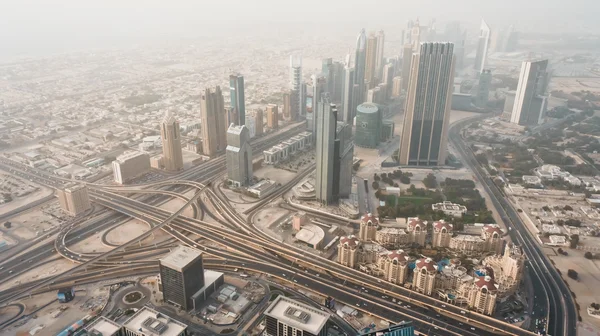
(246, 247)
(562, 316)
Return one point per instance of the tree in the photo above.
(546, 208)
(7, 225)
(574, 241)
(588, 255)
(560, 222)
(573, 274)
(376, 177)
(375, 185)
(568, 208)
(560, 251)
(404, 179)
(430, 181)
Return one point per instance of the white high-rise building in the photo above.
(130, 165)
(483, 46)
(530, 98)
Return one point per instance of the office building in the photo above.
(273, 116)
(212, 281)
(239, 156)
(259, 122)
(425, 130)
(102, 326)
(371, 62)
(407, 53)
(334, 153)
(74, 199)
(348, 248)
(397, 87)
(319, 87)
(359, 66)
(368, 227)
(388, 79)
(238, 100)
(424, 276)
(415, 36)
(172, 158)
(368, 125)
(251, 125)
(529, 108)
(181, 275)
(298, 89)
(149, 322)
(212, 118)
(288, 317)
(130, 165)
(401, 329)
(379, 60)
(483, 89)
(442, 232)
(394, 265)
(347, 95)
(483, 45)
(287, 106)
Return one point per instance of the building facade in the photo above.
(288, 317)
(181, 275)
(130, 165)
(442, 232)
(394, 265)
(272, 116)
(425, 132)
(368, 125)
(424, 276)
(238, 100)
(74, 199)
(171, 143)
(483, 45)
(417, 230)
(371, 62)
(239, 156)
(212, 117)
(298, 88)
(530, 104)
(348, 248)
(368, 227)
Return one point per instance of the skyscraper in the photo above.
(371, 62)
(273, 116)
(483, 46)
(424, 136)
(347, 97)
(406, 60)
(379, 60)
(287, 106)
(359, 64)
(530, 99)
(212, 119)
(334, 152)
(171, 143)
(259, 122)
(298, 90)
(388, 79)
(319, 87)
(415, 36)
(337, 83)
(181, 275)
(483, 89)
(238, 100)
(239, 156)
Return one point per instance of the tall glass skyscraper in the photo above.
(238, 100)
(425, 129)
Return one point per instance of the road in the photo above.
(562, 316)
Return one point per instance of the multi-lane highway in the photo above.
(243, 246)
(550, 287)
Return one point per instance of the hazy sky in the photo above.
(56, 24)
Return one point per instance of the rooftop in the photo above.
(104, 326)
(129, 155)
(180, 257)
(153, 323)
(210, 277)
(311, 234)
(297, 315)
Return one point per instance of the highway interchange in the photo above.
(242, 246)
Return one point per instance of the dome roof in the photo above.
(398, 255)
(369, 218)
(414, 222)
(439, 225)
(350, 241)
(426, 263)
(486, 282)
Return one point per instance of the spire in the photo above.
(361, 40)
(169, 118)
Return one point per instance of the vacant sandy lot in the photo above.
(586, 288)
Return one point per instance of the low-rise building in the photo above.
(286, 316)
(392, 237)
(263, 188)
(467, 244)
(450, 209)
(103, 327)
(312, 235)
(532, 180)
(148, 322)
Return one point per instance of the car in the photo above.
(358, 304)
(295, 280)
(443, 306)
(473, 328)
(10, 272)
